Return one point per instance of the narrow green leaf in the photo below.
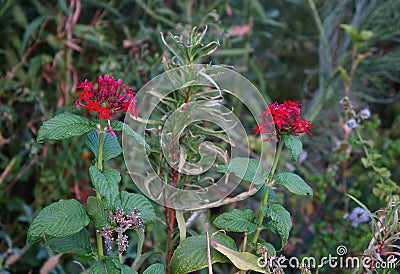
(118, 126)
(34, 25)
(191, 254)
(106, 182)
(237, 221)
(78, 243)
(140, 241)
(61, 219)
(129, 201)
(294, 144)
(247, 169)
(64, 126)
(106, 266)
(155, 269)
(111, 147)
(366, 162)
(242, 260)
(280, 221)
(97, 212)
(294, 183)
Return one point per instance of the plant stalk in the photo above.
(266, 193)
(99, 239)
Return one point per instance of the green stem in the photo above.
(181, 225)
(266, 193)
(99, 239)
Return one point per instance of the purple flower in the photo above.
(352, 123)
(365, 114)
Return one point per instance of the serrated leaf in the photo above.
(111, 146)
(242, 260)
(78, 243)
(61, 219)
(280, 221)
(237, 221)
(270, 248)
(106, 183)
(64, 126)
(127, 270)
(246, 169)
(191, 254)
(118, 126)
(294, 183)
(155, 269)
(106, 266)
(129, 201)
(97, 212)
(294, 144)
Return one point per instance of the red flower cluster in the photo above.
(109, 98)
(285, 118)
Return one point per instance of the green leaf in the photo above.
(294, 183)
(61, 219)
(365, 35)
(351, 31)
(242, 260)
(106, 182)
(140, 241)
(280, 221)
(78, 243)
(237, 221)
(246, 169)
(64, 126)
(155, 269)
(294, 144)
(129, 201)
(34, 25)
(366, 162)
(269, 247)
(111, 147)
(127, 270)
(191, 254)
(118, 126)
(106, 266)
(97, 212)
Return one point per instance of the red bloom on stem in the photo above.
(285, 119)
(109, 98)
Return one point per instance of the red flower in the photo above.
(285, 119)
(92, 106)
(109, 98)
(104, 113)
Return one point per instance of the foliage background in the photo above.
(290, 49)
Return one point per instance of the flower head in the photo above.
(107, 99)
(286, 119)
(365, 114)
